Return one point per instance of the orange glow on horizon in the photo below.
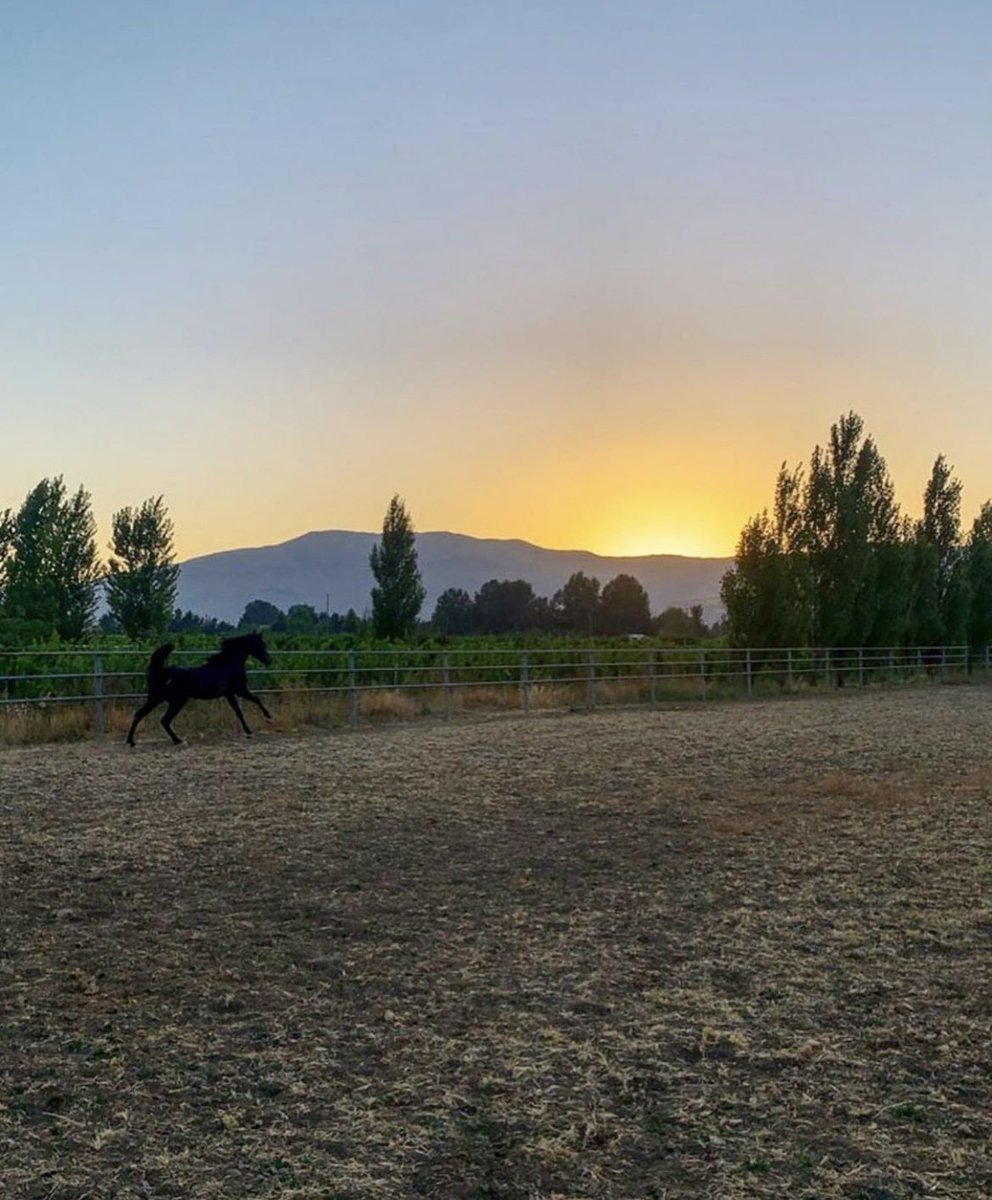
(653, 520)
(638, 543)
(676, 517)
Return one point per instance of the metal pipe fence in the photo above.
(536, 676)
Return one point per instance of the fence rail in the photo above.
(538, 675)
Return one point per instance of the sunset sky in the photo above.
(577, 272)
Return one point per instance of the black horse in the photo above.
(223, 674)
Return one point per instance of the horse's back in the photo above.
(209, 681)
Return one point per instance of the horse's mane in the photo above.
(233, 644)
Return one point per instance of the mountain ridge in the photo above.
(329, 569)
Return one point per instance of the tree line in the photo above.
(836, 563)
(500, 606)
(51, 573)
(582, 606)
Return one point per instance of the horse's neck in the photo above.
(231, 658)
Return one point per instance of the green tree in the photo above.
(399, 593)
(301, 619)
(759, 592)
(893, 586)
(676, 623)
(353, 624)
(142, 576)
(624, 607)
(454, 613)
(939, 607)
(191, 622)
(849, 511)
(505, 606)
(51, 567)
(978, 559)
(576, 605)
(829, 566)
(6, 548)
(262, 614)
(766, 593)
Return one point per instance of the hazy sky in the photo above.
(584, 273)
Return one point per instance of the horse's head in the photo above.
(246, 645)
(257, 648)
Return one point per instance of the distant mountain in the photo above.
(330, 570)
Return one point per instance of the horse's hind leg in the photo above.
(173, 711)
(149, 705)
(246, 695)
(229, 697)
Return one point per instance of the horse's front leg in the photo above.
(229, 697)
(246, 695)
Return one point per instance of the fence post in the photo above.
(987, 648)
(99, 721)
(446, 680)
(590, 678)
(352, 690)
(652, 674)
(788, 668)
(747, 669)
(525, 682)
(861, 666)
(702, 671)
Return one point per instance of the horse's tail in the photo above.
(156, 668)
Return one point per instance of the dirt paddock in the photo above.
(736, 951)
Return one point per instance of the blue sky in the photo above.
(579, 273)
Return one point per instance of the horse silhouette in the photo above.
(223, 674)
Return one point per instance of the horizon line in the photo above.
(471, 537)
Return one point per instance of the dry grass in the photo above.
(738, 952)
(31, 724)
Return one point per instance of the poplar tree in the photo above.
(142, 576)
(51, 566)
(767, 591)
(939, 614)
(829, 567)
(399, 593)
(978, 560)
(849, 512)
(6, 548)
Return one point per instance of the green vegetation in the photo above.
(50, 569)
(50, 574)
(48, 565)
(580, 609)
(836, 564)
(142, 577)
(398, 595)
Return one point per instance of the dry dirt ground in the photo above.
(734, 951)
